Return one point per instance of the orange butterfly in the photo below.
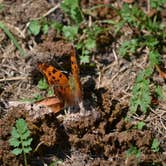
(67, 91)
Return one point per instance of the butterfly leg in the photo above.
(67, 111)
(83, 111)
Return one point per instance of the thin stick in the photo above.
(51, 10)
(47, 13)
(44, 15)
(13, 79)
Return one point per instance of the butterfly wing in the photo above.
(59, 81)
(67, 90)
(74, 81)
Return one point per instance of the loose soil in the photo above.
(102, 134)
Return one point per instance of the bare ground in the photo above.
(103, 135)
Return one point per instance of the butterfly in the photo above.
(67, 90)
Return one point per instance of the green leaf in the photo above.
(1, 7)
(17, 151)
(15, 134)
(133, 151)
(84, 59)
(72, 9)
(42, 84)
(154, 58)
(85, 52)
(155, 145)
(45, 28)
(132, 15)
(140, 125)
(23, 141)
(37, 97)
(50, 92)
(151, 41)
(34, 27)
(70, 32)
(27, 142)
(27, 149)
(90, 43)
(56, 25)
(128, 47)
(21, 126)
(25, 135)
(141, 96)
(157, 4)
(14, 142)
(118, 26)
(161, 91)
(148, 71)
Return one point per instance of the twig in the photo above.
(148, 6)
(47, 13)
(162, 123)
(17, 31)
(115, 56)
(44, 15)
(51, 10)
(13, 79)
(39, 144)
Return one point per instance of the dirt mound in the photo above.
(99, 137)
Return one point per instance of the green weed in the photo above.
(161, 91)
(133, 151)
(136, 19)
(42, 84)
(157, 4)
(34, 27)
(1, 7)
(70, 32)
(89, 42)
(140, 125)
(141, 92)
(129, 47)
(73, 31)
(72, 9)
(155, 145)
(20, 139)
(85, 39)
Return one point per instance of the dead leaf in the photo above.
(161, 73)
(52, 102)
(128, 1)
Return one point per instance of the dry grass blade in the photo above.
(12, 38)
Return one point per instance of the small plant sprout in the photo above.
(133, 151)
(42, 84)
(155, 145)
(34, 27)
(140, 125)
(20, 139)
